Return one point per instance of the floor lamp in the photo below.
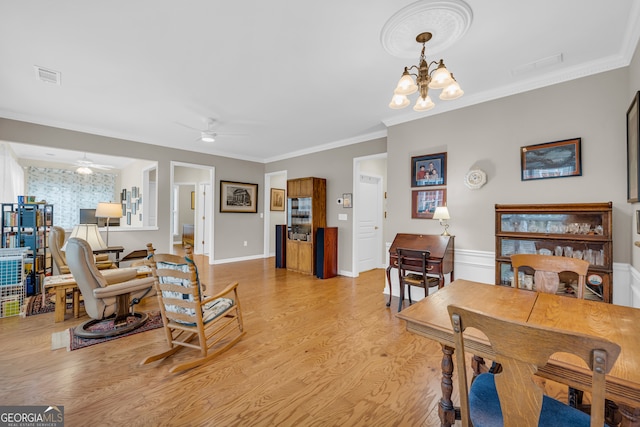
(108, 210)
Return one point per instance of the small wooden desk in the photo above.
(440, 257)
(65, 283)
(619, 324)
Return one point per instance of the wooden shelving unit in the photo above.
(579, 230)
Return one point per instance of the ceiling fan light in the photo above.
(424, 104)
(399, 101)
(207, 137)
(83, 170)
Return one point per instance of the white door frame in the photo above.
(267, 210)
(354, 216)
(210, 201)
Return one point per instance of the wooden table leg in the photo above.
(446, 410)
(630, 416)
(61, 304)
(389, 281)
(76, 302)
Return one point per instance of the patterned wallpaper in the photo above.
(69, 192)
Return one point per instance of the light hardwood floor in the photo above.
(317, 353)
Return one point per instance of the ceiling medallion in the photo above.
(447, 20)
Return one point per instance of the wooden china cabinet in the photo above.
(578, 230)
(306, 212)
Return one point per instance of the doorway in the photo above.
(198, 179)
(369, 185)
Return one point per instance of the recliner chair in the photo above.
(56, 242)
(106, 297)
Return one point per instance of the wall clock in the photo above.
(475, 179)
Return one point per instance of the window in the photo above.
(69, 192)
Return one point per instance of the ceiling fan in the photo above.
(86, 166)
(210, 133)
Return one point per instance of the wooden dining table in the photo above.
(430, 318)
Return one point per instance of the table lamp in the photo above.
(108, 210)
(90, 233)
(442, 214)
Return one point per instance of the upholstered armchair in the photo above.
(108, 297)
(56, 243)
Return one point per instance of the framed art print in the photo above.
(551, 160)
(238, 197)
(425, 202)
(429, 170)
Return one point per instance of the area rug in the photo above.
(33, 304)
(69, 340)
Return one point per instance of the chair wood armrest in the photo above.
(230, 288)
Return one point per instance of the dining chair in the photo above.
(413, 269)
(511, 397)
(547, 269)
(210, 324)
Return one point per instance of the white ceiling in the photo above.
(281, 77)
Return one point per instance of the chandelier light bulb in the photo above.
(406, 85)
(441, 77)
(424, 104)
(399, 101)
(452, 91)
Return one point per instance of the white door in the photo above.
(203, 218)
(369, 222)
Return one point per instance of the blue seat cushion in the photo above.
(484, 407)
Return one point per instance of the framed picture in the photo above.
(238, 197)
(277, 199)
(425, 202)
(193, 200)
(633, 152)
(429, 170)
(346, 200)
(557, 159)
(638, 222)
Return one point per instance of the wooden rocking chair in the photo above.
(215, 322)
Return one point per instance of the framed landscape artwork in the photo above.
(551, 160)
(239, 197)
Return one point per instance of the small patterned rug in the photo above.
(33, 305)
(69, 340)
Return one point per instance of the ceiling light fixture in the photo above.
(207, 136)
(83, 170)
(426, 78)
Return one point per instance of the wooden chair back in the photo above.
(553, 264)
(521, 349)
(413, 269)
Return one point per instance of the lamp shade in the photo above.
(90, 233)
(441, 213)
(108, 210)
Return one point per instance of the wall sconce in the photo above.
(442, 214)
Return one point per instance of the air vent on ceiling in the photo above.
(47, 76)
(536, 65)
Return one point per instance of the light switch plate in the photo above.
(342, 217)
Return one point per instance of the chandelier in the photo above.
(427, 78)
